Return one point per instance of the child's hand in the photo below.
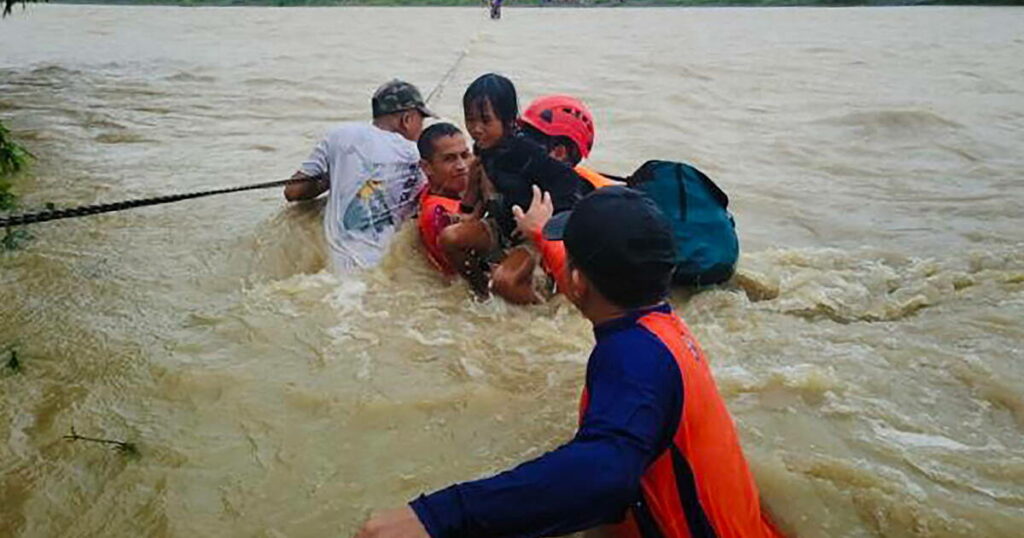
(533, 220)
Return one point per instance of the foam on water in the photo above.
(869, 348)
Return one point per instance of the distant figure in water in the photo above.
(496, 9)
(371, 172)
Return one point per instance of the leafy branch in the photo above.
(13, 157)
(14, 239)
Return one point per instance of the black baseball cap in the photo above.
(615, 232)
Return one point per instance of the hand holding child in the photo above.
(531, 222)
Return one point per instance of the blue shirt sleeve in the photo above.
(636, 396)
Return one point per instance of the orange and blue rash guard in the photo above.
(435, 215)
(553, 258)
(552, 253)
(656, 453)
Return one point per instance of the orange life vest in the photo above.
(553, 252)
(594, 178)
(700, 486)
(434, 211)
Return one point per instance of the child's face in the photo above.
(483, 125)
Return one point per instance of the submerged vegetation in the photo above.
(124, 447)
(12, 363)
(13, 158)
(14, 239)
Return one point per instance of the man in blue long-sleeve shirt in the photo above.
(644, 456)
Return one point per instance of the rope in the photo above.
(450, 74)
(82, 211)
(447, 76)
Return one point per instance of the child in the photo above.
(509, 165)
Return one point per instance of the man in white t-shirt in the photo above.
(373, 175)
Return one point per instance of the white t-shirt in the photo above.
(375, 178)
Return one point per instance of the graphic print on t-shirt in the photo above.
(368, 211)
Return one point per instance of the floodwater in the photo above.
(870, 352)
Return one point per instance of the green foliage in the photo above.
(13, 157)
(6, 198)
(14, 239)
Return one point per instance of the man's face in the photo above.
(448, 169)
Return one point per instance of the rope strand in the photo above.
(82, 211)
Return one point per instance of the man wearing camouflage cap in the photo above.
(372, 173)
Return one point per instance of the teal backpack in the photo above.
(705, 233)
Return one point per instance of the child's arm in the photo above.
(479, 189)
(472, 196)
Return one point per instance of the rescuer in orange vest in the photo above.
(656, 453)
(565, 127)
(445, 159)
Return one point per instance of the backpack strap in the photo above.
(682, 188)
(718, 193)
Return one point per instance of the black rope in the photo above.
(447, 76)
(81, 211)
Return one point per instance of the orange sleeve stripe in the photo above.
(553, 258)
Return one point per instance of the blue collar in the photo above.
(628, 320)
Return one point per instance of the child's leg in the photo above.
(512, 279)
(466, 244)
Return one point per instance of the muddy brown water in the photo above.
(872, 357)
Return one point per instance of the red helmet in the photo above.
(561, 115)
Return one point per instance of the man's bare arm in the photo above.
(305, 190)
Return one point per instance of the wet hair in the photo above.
(500, 92)
(426, 142)
(551, 142)
(647, 285)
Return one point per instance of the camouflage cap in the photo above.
(396, 96)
